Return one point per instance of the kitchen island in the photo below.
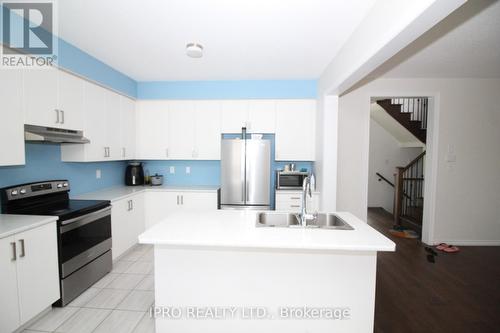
(217, 272)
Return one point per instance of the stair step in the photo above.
(404, 118)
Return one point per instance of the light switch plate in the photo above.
(172, 169)
(188, 170)
(98, 174)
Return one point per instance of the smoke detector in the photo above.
(194, 50)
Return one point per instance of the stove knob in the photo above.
(14, 193)
(23, 191)
(59, 185)
(65, 184)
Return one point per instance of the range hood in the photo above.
(55, 135)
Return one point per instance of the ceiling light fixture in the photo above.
(194, 50)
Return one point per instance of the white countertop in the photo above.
(13, 224)
(120, 192)
(236, 229)
(293, 192)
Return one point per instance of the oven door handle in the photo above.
(84, 219)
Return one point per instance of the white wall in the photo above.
(326, 152)
(385, 155)
(467, 199)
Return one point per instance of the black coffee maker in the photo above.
(134, 175)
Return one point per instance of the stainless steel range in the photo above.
(83, 231)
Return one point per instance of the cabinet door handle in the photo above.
(124, 152)
(182, 200)
(295, 198)
(166, 152)
(105, 151)
(131, 204)
(295, 206)
(57, 116)
(177, 200)
(14, 253)
(128, 206)
(23, 250)
(62, 116)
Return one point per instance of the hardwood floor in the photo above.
(458, 293)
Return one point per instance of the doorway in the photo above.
(398, 144)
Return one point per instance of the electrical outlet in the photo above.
(172, 170)
(188, 169)
(98, 174)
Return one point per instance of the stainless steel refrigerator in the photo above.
(245, 174)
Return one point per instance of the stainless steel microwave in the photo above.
(290, 180)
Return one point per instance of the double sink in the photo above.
(285, 220)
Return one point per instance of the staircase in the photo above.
(409, 194)
(410, 112)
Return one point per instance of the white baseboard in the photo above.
(469, 242)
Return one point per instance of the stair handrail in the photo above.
(381, 177)
(414, 161)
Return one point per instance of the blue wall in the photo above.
(227, 89)
(208, 172)
(43, 162)
(75, 60)
(80, 62)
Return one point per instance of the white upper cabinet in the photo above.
(152, 130)
(295, 130)
(40, 95)
(207, 130)
(181, 130)
(258, 116)
(194, 127)
(70, 101)
(127, 121)
(109, 124)
(261, 116)
(234, 115)
(53, 98)
(12, 119)
(113, 126)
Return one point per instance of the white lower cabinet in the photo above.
(29, 275)
(127, 223)
(159, 204)
(9, 312)
(291, 201)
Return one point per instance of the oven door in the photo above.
(83, 239)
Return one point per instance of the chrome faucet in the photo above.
(306, 190)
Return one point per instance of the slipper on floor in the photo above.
(451, 249)
(442, 246)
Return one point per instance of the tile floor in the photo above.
(119, 302)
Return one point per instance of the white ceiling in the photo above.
(243, 39)
(465, 44)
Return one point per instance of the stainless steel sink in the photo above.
(277, 219)
(282, 219)
(329, 221)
